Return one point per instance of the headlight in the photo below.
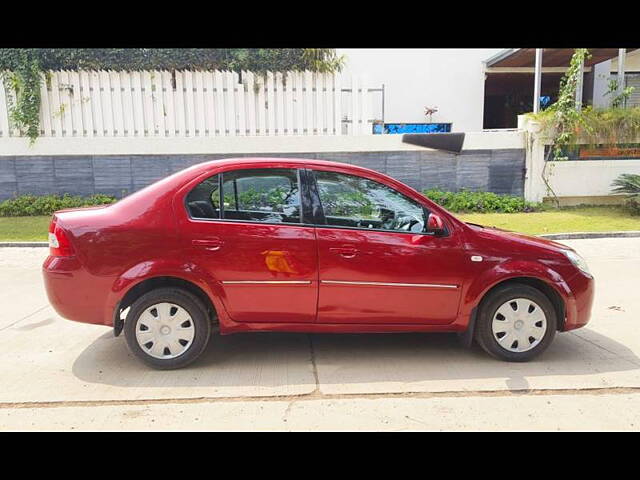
(577, 260)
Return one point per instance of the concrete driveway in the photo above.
(57, 374)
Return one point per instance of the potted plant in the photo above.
(429, 111)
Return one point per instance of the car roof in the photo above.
(299, 161)
(307, 162)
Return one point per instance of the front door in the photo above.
(256, 245)
(377, 265)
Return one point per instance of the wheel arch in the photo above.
(550, 292)
(153, 283)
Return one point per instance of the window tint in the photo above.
(262, 195)
(203, 201)
(351, 201)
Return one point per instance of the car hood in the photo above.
(518, 238)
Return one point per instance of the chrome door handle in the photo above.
(212, 245)
(344, 252)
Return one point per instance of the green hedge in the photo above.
(32, 205)
(464, 201)
(483, 202)
(236, 59)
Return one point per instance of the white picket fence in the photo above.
(197, 104)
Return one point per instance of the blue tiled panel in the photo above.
(399, 128)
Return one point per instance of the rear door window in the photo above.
(269, 195)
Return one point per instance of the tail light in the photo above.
(59, 245)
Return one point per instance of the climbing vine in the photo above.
(24, 68)
(24, 80)
(562, 119)
(568, 125)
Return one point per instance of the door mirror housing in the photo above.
(435, 225)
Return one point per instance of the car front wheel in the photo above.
(516, 323)
(167, 328)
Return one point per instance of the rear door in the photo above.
(258, 245)
(377, 265)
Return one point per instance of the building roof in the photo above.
(551, 57)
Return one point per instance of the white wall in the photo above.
(45, 146)
(586, 178)
(451, 79)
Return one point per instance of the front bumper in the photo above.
(580, 301)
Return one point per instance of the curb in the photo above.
(585, 235)
(549, 236)
(24, 244)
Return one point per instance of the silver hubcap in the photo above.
(519, 325)
(165, 331)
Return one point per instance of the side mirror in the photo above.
(435, 225)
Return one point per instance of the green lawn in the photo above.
(579, 219)
(24, 229)
(575, 219)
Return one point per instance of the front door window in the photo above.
(357, 202)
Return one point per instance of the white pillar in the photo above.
(622, 53)
(579, 86)
(534, 187)
(537, 79)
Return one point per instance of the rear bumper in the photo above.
(73, 292)
(580, 302)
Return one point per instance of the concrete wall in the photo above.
(451, 79)
(601, 75)
(588, 181)
(489, 161)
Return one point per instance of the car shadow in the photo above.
(256, 360)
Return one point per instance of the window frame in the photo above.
(303, 198)
(192, 188)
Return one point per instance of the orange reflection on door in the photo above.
(279, 261)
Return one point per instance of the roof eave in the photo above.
(500, 56)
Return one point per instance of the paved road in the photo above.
(57, 374)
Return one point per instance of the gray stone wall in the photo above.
(499, 171)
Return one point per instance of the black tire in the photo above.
(488, 308)
(182, 298)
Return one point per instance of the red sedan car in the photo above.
(264, 244)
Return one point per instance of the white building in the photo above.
(476, 88)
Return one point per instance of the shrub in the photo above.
(632, 205)
(32, 205)
(629, 183)
(467, 201)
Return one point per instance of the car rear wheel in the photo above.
(516, 323)
(167, 328)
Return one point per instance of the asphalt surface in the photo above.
(61, 375)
